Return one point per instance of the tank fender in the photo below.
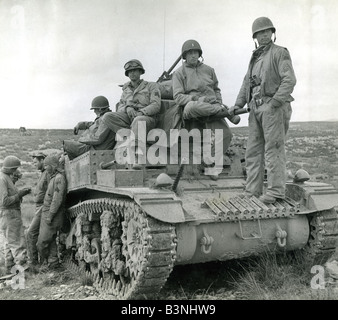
(313, 195)
(164, 207)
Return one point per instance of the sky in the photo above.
(57, 55)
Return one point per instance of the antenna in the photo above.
(164, 25)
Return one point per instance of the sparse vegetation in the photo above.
(275, 277)
(267, 277)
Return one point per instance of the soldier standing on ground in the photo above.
(39, 194)
(53, 211)
(96, 136)
(195, 87)
(10, 213)
(267, 89)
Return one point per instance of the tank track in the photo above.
(323, 238)
(130, 256)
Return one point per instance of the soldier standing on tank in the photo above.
(96, 136)
(195, 88)
(39, 193)
(53, 211)
(140, 104)
(267, 89)
(10, 213)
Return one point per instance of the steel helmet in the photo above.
(11, 162)
(301, 176)
(100, 102)
(132, 65)
(52, 160)
(260, 24)
(190, 45)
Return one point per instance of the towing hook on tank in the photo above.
(206, 242)
(281, 236)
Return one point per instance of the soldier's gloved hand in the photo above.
(233, 109)
(131, 113)
(76, 129)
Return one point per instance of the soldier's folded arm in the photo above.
(180, 97)
(98, 138)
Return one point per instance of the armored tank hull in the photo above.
(128, 230)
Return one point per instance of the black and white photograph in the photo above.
(180, 152)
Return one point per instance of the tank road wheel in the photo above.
(323, 238)
(149, 252)
(135, 253)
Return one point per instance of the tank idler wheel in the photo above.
(323, 237)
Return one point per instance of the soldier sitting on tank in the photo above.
(195, 88)
(139, 105)
(96, 136)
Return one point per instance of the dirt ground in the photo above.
(312, 147)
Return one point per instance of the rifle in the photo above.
(235, 119)
(166, 74)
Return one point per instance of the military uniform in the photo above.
(145, 98)
(196, 88)
(52, 216)
(267, 89)
(11, 222)
(96, 136)
(34, 227)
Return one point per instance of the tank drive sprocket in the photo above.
(134, 253)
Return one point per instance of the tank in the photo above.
(129, 228)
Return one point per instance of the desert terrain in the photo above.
(312, 146)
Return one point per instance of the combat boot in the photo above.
(265, 198)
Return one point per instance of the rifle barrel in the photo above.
(167, 73)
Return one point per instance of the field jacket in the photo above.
(276, 74)
(145, 98)
(200, 81)
(41, 188)
(97, 134)
(9, 194)
(54, 201)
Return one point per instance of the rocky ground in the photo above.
(212, 281)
